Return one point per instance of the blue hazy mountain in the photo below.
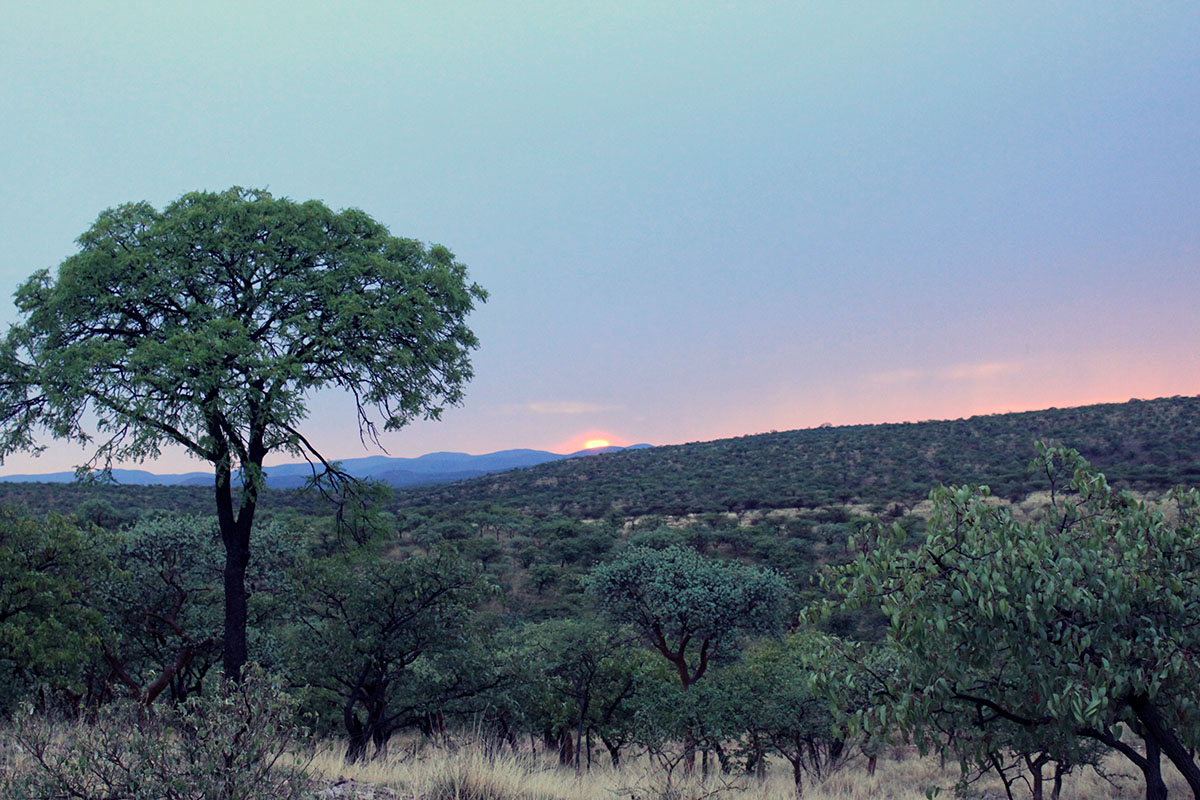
(422, 470)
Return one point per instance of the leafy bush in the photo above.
(46, 629)
(237, 745)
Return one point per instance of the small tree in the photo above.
(692, 610)
(1077, 624)
(205, 325)
(163, 602)
(369, 634)
(586, 668)
(781, 710)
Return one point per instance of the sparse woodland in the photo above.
(781, 611)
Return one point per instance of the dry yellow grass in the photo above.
(469, 772)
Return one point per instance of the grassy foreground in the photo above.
(470, 772)
(95, 758)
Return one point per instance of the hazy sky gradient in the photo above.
(696, 220)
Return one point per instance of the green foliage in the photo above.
(163, 603)
(46, 627)
(163, 607)
(1038, 577)
(1077, 623)
(386, 643)
(578, 676)
(534, 524)
(764, 704)
(690, 608)
(73, 498)
(240, 744)
(781, 712)
(670, 721)
(102, 513)
(658, 538)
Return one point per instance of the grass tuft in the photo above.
(472, 771)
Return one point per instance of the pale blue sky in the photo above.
(696, 220)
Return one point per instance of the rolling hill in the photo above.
(1147, 444)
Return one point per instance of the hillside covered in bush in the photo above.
(1149, 444)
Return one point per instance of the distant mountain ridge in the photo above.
(1149, 445)
(431, 468)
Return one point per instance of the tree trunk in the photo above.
(356, 737)
(1155, 788)
(614, 751)
(689, 752)
(689, 736)
(1156, 728)
(583, 709)
(998, 767)
(235, 535)
(833, 751)
(380, 735)
(1036, 765)
(756, 760)
(566, 748)
(723, 758)
(378, 729)
(237, 557)
(1149, 763)
(369, 694)
(508, 734)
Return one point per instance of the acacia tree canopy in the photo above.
(689, 607)
(206, 325)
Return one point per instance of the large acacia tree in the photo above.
(207, 324)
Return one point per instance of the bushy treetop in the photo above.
(678, 598)
(205, 324)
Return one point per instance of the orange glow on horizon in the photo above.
(593, 439)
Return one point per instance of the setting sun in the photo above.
(595, 443)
